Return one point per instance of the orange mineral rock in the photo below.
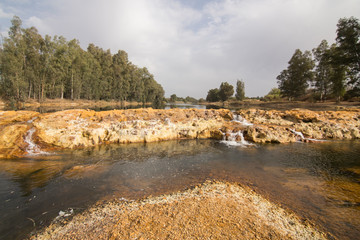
(84, 128)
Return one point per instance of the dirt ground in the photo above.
(213, 210)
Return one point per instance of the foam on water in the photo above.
(239, 119)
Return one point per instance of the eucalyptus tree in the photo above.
(121, 78)
(46, 56)
(32, 63)
(348, 43)
(60, 67)
(294, 81)
(37, 67)
(13, 60)
(324, 70)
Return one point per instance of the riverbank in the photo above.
(214, 210)
(29, 132)
(283, 105)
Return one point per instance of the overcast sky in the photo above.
(191, 46)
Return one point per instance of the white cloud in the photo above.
(4, 14)
(192, 49)
(39, 23)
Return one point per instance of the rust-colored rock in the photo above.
(85, 128)
(12, 140)
(8, 117)
(82, 128)
(300, 124)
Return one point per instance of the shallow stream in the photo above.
(318, 181)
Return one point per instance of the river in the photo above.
(318, 181)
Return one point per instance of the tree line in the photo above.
(329, 71)
(32, 66)
(173, 99)
(225, 91)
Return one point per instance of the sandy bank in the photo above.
(214, 210)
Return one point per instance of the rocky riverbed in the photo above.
(212, 210)
(28, 132)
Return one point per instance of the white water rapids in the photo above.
(239, 119)
(235, 140)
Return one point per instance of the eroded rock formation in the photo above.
(25, 132)
(85, 128)
(300, 124)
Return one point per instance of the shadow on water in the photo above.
(317, 181)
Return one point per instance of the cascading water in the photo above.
(32, 148)
(239, 119)
(304, 139)
(298, 134)
(32, 120)
(235, 139)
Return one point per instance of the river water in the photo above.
(318, 181)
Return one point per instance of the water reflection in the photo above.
(49, 109)
(318, 181)
(184, 106)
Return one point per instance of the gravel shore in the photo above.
(213, 210)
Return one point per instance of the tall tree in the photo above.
(294, 80)
(32, 63)
(225, 91)
(36, 67)
(46, 55)
(13, 60)
(240, 90)
(121, 71)
(323, 70)
(348, 42)
(338, 74)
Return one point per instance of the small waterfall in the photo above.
(32, 148)
(235, 139)
(239, 119)
(304, 139)
(32, 120)
(298, 134)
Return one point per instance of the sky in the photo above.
(191, 46)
